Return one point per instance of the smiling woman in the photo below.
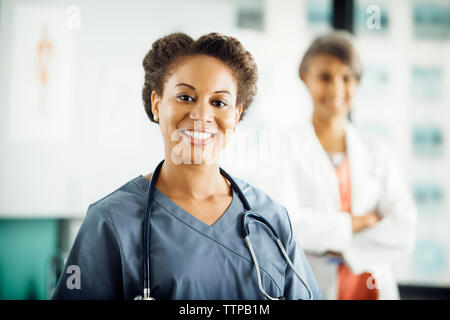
(185, 223)
(198, 110)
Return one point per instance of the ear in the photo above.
(303, 76)
(156, 99)
(239, 109)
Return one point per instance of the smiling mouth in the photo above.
(332, 101)
(199, 138)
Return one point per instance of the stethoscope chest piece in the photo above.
(139, 297)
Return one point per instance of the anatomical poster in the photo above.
(41, 89)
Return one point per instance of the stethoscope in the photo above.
(245, 232)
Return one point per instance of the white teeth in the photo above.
(198, 135)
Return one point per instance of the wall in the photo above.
(26, 250)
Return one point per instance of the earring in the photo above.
(155, 117)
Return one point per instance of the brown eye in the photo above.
(219, 103)
(185, 97)
(325, 77)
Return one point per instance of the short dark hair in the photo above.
(166, 50)
(338, 44)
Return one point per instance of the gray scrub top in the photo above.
(188, 258)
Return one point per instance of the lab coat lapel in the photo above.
(359, 161)
(326, 172)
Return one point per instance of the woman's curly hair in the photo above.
(166, 50)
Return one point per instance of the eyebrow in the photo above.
(223, 91)
(184, 84)
(189, 86)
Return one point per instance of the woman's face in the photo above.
(332, 85)
(197, 111)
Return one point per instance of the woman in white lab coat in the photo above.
(350, 208)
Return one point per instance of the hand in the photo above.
(365, 221)
(334, 254)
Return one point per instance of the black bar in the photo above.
(409, 292)
(343, 15)
(196, 310)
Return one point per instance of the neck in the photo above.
(330, 131)
(191, 181)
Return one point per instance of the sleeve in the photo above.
(92, 270)
(395, 232)
(320, 233)
(294, 289)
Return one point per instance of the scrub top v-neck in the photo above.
(225, 221)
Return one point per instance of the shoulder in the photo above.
(303, 131)
(376, 145)
(375, 141)
(299, 146)
(125, 200)
(256, 196)
(262, 204)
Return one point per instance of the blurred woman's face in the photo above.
(197, 110)
(332, 85)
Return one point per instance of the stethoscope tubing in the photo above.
(147, 231)
(245, 232)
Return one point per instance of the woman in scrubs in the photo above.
(197, 91)
(350, 207)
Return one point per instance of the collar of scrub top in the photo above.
(245, 232)
(147, 218)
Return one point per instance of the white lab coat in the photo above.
(308, 187)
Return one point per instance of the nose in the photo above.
(336, 87)
(202, 111)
